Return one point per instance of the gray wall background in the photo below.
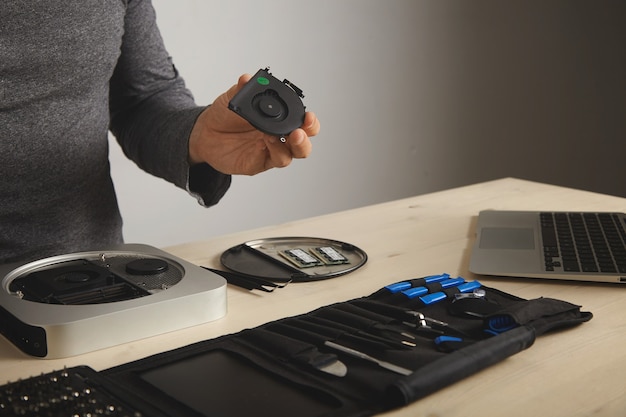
(414, 96)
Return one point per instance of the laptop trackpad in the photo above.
(507, 238)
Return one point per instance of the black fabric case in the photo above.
(270, 370)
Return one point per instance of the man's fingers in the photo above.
(279, 154)
(311, 124)
(299, 144)
(243, 80)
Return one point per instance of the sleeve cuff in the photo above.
(206, 184)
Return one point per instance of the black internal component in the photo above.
(272, 106)
(75, 282)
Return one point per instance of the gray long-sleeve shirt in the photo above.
(70, 70)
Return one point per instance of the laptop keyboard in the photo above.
(583, 242)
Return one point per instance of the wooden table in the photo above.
(577, 372)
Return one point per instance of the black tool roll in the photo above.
(355, 358)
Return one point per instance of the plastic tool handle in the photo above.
(405, 285)
(417, 291)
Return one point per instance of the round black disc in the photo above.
(146, 266)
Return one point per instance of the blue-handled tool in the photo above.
(438, 296)
(500, 324)
(405, 285)
(450, 343)
(418, 291)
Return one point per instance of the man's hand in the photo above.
(228, 143)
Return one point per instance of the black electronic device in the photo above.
(270, 105)
(75, 303)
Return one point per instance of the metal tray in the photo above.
(265, 258)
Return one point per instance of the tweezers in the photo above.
(247, 282)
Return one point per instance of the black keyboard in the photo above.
(70, 392)
(584, 242)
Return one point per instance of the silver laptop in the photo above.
(583, 246)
